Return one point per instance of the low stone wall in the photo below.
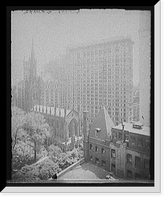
(70, 167)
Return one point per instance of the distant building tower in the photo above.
(102, 75)
(31, 81)
(144, 67)
(86, 135)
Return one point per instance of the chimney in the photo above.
(85, 125)
(55, 110)
(123, 133)
(64, 112)
(86, 135)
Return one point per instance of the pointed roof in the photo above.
(102, 124)
(32, 51)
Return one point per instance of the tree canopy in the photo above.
(18, 121)
(37, 130)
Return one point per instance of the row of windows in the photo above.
(90, 64)
(92, 74)
(84, 91)
(89, 90)
(133, 141)
(104, 77)
(97, 149)
(139, 142)
(129, 160)
(130, 175)
(96, 68)
(137, 161)
(112, 51)
(97, 161)
(106, 96)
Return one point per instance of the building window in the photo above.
(96, 149)
(113, 167)
(147, 144)
(140, 142)
(126, 137)
(97, 130)
(103, 163)
(137, 162)
(120, 136)
(96, 161)
(91, 158)
(146, 164)
(129, 174)
(114, 135)
(133, 140)
(129, 159)
(113, 154)
(91, 147)
(137, 176)
(103, 151)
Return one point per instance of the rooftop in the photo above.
(129, 127)
(103, 41)
(51, 110)
(103, 124)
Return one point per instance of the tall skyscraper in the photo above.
(144, 67)
(102, 75)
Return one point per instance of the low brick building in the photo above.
(131, 145)
(123, 149)
(99, 139)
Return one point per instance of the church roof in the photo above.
(51, 110)
(102, 124)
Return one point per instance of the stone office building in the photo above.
(102, 74)
(123, 149)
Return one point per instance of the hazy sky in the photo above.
(53, 31)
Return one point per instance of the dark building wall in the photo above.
(136, 142)
(139, 165)
(98, 150)
(139, 143)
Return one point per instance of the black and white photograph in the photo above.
(82, 97)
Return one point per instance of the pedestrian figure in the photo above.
(54, 176)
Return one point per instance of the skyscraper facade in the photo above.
(144, 67)
(49, 93)
(102, 75)
(135, 104)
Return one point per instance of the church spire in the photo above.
(32, 61)
(32, 51)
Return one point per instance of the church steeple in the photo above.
(32, 62)
(32, 57)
